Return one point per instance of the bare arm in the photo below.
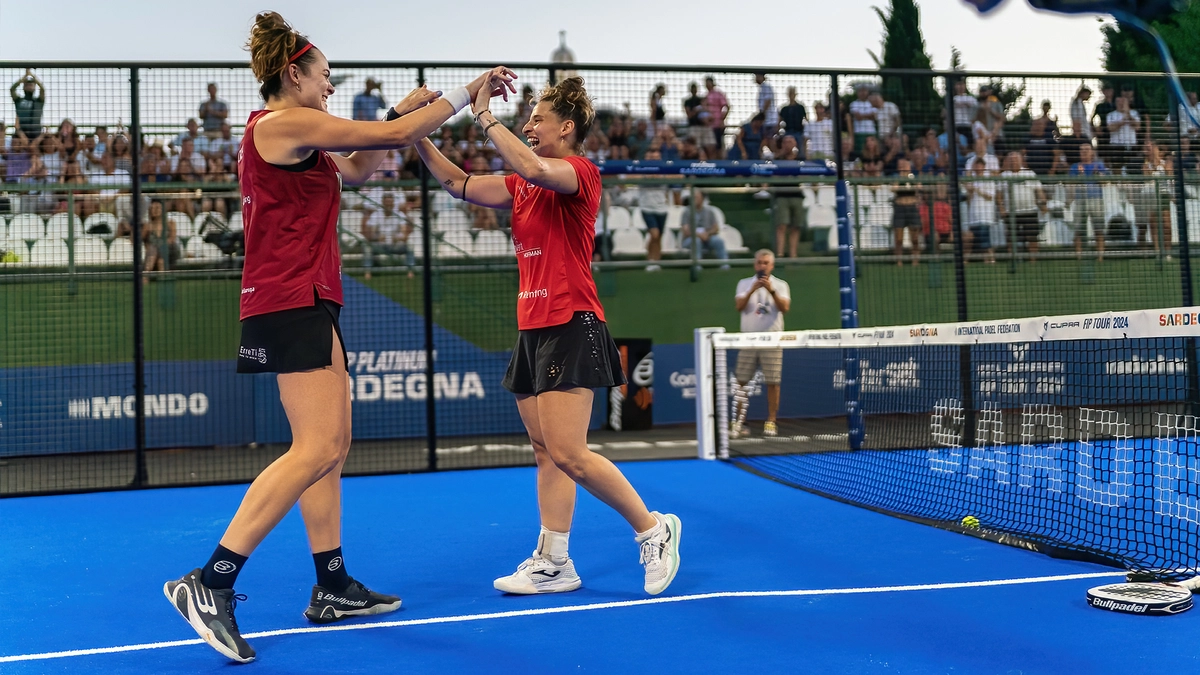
(489, 191)
(360, 166)
(549, 173)
(740, 302)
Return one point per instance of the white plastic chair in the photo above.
(184, 227)
(826, 196)
(59, 226)
(48, 253)
(235, 220)
(453, 219)
(619, 219)
(670, 241)
(826, 216)
(674, 217)
(455, 244)
(733, 239)
(100, 218)
(628, 241)
(120, 252)
(492, 244)
(27, 226)
(90, 251)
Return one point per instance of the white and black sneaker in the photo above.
(540, 575)
(357, 600)
(660, 553)
(210, 613)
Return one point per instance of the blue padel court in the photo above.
(773, 579)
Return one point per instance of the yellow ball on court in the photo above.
(971, 522)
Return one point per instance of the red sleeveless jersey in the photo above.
(290, 220)
(554, 237)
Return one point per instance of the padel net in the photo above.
(1072, 435)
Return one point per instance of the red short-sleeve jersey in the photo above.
(290, 220)
(554, 237)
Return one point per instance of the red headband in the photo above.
(300, 52)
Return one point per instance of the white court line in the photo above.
(569, 608)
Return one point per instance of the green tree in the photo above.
(1126, 50)
(903, 47)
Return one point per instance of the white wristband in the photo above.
(459, 98)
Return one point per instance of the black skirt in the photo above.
(579, 353)
(291, 341)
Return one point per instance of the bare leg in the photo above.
(1100, 247)
(772, 401)
(563, 418)
(898, 245)
(793, 242)
(321, 503)
(914, 237)
(317, 407)
(654, 246)
(555, 490)
(781, 239)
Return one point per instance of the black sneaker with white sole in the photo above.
(209, 612)
(357, 600)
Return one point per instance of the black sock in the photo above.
(331, 570)
(222, 569)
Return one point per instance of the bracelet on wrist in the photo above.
(481, 112)
(488, 127)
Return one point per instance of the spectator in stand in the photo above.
(1123, 124)
(161, 243)
(102, 140)
(1193, 106)
(618, 137)
(982, 227)
(213, 112)
(887, 116)
(861, 116)
(220, 198)
(595, 148)
(819, 134)
(1089, 201)
(668, 144)
(1043, 136)
(225, 147)
(37, 201)
(471, 140)
(1153, 205)
(699, 127)
(113, 179)
(654, 202)
(151, 159)
(751, 139)
(906, 212)
(88, 154)
(690, 152)
(639, 140)
(191, 132)
(788, 210)
(933, 152)
(369, 102)
(18, 158)
(766, 105)
(67, 132)
(870, 160)
(85, 205)
(1022, 202)
(658, 114)
(942, 224)
(794, 116)
(965, 106)
(1100, 114)
(893, 154)
(188, 151)
(482, 217)
(718, 109)
(850, 157)
(708, 227)
(388, 230)
(1081, 125)
(525, 106)
(995, 115)
(29, 105)
(980, 131)
(185, 172)
(48, 149)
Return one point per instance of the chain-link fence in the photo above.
(1050, 195)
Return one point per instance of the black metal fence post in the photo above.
(1185, 253)
(140, 476)
(427, 245)
(960, 264)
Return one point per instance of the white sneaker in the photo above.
(660, 553)
(540, 575)
(653, 268)
(736, 430)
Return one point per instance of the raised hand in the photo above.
(417, 98)
(497, 81)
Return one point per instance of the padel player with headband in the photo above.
(564, 349)
(290, 300)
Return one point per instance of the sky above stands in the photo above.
(804, 33)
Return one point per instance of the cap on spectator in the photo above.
(1046, 103)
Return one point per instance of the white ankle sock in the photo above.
(553, 546)
(643, 536)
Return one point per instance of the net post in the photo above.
(960, 270)
(706, 394)
(847, 285)
(1185, 255)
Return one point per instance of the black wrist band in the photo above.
(391, 115)
(494, 123)
(466, 180)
